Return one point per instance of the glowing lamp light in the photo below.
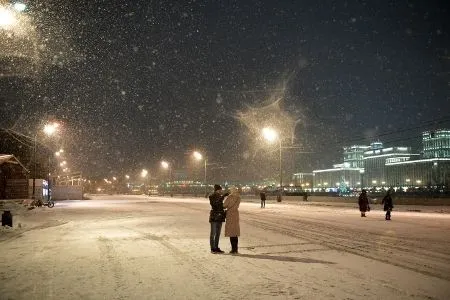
(51, 128)
(165, 164)
(7, 18)
(197, 155)
(144, 173)
(19, 6)
(269, 134)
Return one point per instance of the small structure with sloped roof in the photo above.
(13, 178)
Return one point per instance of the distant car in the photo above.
(152, 192)
(136, 191)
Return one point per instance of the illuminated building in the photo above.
(305, 180)
(354, 155)
(428, 172)
(375, 161)
(377, 167)
(436, 143)
(340, 176)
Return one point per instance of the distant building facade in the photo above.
(375, 161)
(436, 144)
(354, 155)
(305, 180)
(377, 167)
(339, 177)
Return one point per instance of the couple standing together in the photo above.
(220, 201)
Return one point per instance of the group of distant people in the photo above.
(364, 205)
(225, 208)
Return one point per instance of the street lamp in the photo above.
(361, 173)
(49, 130)
(271, 135)
(199, 156)
(7, 18)
(167, 166)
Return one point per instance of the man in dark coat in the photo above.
(262, 196)
(388, 205)
(363, 202)
(216, 217)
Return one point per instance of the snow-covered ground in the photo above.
(138, 247)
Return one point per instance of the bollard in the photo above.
(7, 219)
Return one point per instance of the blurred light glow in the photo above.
(269, 134)
(7, 18)
(165, 164)
(19, 6)
(50, 128)
(197, 155)
(144, 173)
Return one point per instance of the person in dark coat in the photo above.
(216, 217)
(388, 205)
(363, 202)
(232, 228)
(262, 196)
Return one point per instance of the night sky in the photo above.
(140, 81)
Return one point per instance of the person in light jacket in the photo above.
(232, 229)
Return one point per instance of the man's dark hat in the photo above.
(217, 187)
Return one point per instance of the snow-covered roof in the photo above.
(10, 159)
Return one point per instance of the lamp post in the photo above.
(361, 172)
(33, 196)
(144, 174)
(199, 156)
(271, 135)
(168, 167)
(49, 130)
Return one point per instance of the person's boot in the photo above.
(234, 245)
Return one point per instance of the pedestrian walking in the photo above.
(305, 196)
(232, 228)
(388, 205)
(262, 196)
(363, 202)
(216, 217)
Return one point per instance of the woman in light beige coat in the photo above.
(232, 228)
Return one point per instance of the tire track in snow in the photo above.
(406, 252)
(111, 263)
(197, 270)
(347, 240)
